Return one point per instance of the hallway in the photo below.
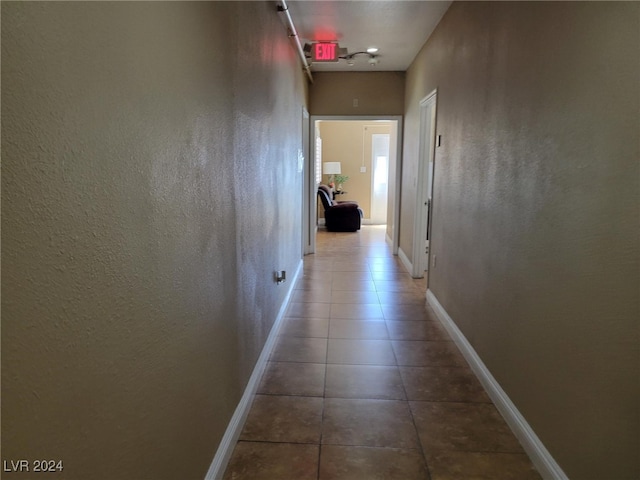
(364, 383)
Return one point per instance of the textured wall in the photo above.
(150, 188)
(536, 212)
(378, 93)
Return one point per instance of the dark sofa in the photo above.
(339, 216)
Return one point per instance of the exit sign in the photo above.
(325, 52)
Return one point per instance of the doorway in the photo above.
(358, 164)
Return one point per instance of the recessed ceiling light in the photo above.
(372, 50)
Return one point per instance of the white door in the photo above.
(420, 260)
(379, 177)
(429, 180)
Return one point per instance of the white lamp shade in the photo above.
(331, 168)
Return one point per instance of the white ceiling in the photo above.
(397, 28)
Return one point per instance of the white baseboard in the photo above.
(405, 260)
(540, 456)
(231, 435)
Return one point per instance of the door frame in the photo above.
(426, 154)
(308, 230)
(310, 194)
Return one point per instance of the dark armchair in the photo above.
(339, 216)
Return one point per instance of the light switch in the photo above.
(363, 169)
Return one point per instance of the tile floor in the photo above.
(364, 383)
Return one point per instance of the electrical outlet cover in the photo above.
(363, 169)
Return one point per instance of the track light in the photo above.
(372, 60)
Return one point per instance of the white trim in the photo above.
(405, 260)
(308, 232)
(395, 246)
(540, 456)
(388, 239)
(231, 435)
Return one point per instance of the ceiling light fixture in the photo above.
(372, 50)
(373, 59)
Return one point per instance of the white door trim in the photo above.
(425, 154)
(308, 239)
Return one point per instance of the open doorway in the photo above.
(368, 150)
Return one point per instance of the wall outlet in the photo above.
(355, 102)
(363, 169)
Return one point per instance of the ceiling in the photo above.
(397, 28)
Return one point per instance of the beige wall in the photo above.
(536, 212)
(378, 93)
(349, 142)
(149, 190)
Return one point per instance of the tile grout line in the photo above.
(324, 394)
(406, 395)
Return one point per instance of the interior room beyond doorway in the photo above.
(366, 151)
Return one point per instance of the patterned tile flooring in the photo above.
(364, 383)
